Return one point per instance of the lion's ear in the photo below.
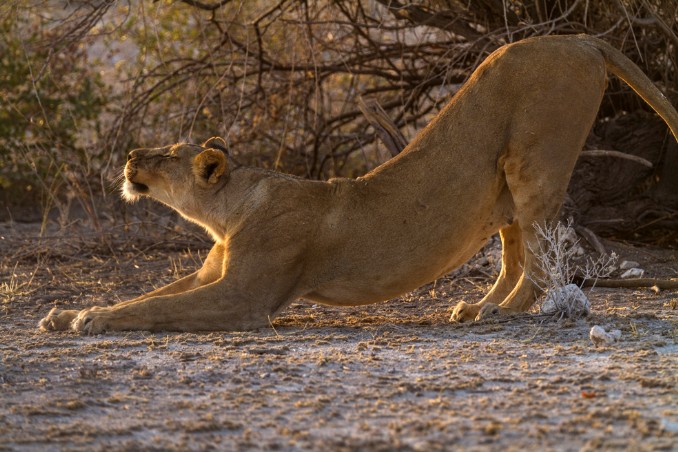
(216, 143)
(209, 166)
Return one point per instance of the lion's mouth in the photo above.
(140, 188)
(132, 190)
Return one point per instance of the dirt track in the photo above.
(390, 376)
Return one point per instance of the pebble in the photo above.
(599, 336)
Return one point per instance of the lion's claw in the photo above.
(464, 312)
(488, 311)
(58, 320)
(91, 321)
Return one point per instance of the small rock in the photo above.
(569, 300)
(567, 234)
(615, 334)
(625, 265)
(493, 257)
(599, 336)
(482, 261)
(633, 273)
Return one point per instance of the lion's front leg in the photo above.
(58, 320)
(211, 270)
(217, 306)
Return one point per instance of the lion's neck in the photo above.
(222, 211)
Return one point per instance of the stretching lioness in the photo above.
(497, 158)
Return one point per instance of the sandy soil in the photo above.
(394, 375)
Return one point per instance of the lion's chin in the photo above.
(132, 191)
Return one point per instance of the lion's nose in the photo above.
(131, 155)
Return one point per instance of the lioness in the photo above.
(498, 157)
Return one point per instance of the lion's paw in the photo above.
(57, 320)
(489, 311)
(464, 312)
(94, 320)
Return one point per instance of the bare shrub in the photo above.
(560, 261)
(279, 80)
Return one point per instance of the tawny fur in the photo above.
(497, 158)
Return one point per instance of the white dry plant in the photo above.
(560, 259)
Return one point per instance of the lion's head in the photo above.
(175, 175)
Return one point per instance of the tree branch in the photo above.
(621, 155)
(447, 20)
(205, 6)
(387, 131)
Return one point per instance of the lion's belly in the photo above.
(370, 287)
(373, 252)
(370, 280)
(356, 293)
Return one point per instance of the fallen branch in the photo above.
(621, 155)
(592, 238)
(662, 284)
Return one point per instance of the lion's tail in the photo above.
(624, 68)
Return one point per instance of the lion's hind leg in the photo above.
(526, 290)
(537, 189)
(512, 257)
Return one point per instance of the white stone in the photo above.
(633, 273)
(569, 300)
(625, 265)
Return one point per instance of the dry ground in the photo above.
(390, 376)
